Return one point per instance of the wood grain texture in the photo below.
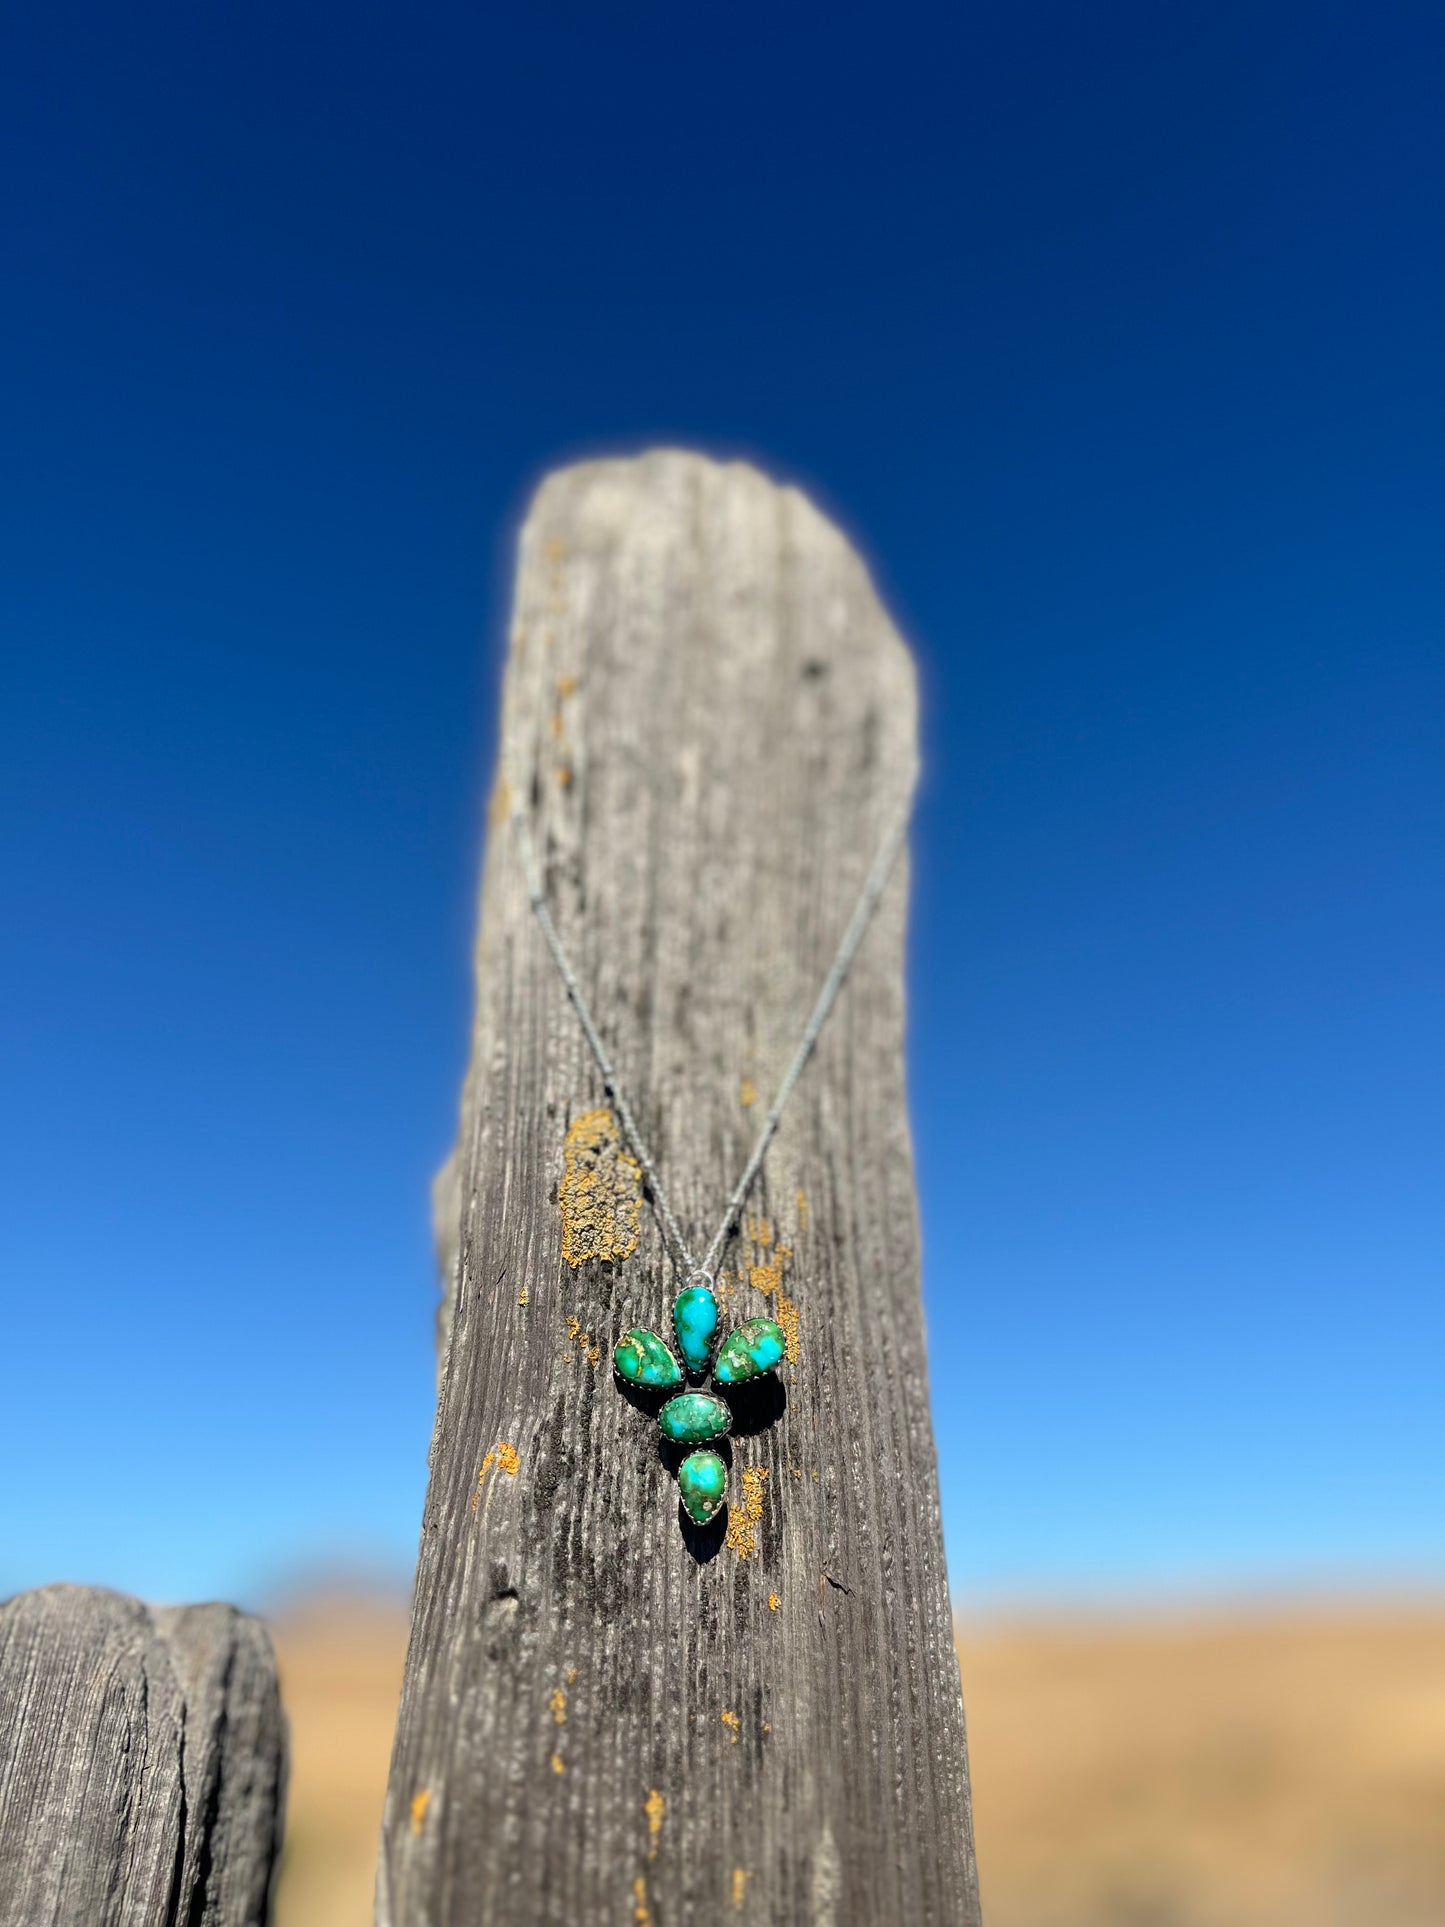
(607, 1717)
(143, 1768)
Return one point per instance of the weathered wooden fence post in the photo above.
(607, 1719)
(142, 1763)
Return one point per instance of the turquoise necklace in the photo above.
(692, 1417)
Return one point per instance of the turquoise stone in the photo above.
(754, 1347)
(694, 1319)
(702, 1483)
(692, 1417)
(642, 1359)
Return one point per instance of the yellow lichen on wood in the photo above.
(766, 1278)
(504, 1457)
(733, 1724)
(419, 1805)
(559, 1765)
(748, 1095)
(583, 1341)
(654, 1806)
(802, 1211)
(641, 1912)
(760, 1232)
(773, 1602)
(601, 1192)
(744, 1516)
(522, 1296)
(741, 1877)
(566, 686)
(557, 1701)
(787, 1313)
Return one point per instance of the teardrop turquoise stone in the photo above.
(692, 1417)
(754, 1347)
(694, 1319)
(643, 1359)
(702, 1484)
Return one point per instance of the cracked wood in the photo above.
(143, 1769)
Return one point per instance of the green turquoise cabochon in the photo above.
(754, 1347)
(694, 1319)
(643, 1359)
(693, 1417)
(702, 1484)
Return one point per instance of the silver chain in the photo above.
(867, 903)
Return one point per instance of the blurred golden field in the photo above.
(1262, 1768)
(1283, 1767)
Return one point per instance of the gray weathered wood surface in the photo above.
(607, 1719)
(142, 1771)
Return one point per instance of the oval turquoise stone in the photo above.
(754, 1347)
(694, 1319)
(692, 1417)
(702, 1484)
(643, 1359)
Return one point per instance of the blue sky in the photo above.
(1114, 337)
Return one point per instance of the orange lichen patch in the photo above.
(583, 1341)
(760, 1232)
(748, 1095)
(783, 1252)
(766, 1278)
(419, 1805)
(557, 1702)
(522, 1296)
(773, 1602)
(499, 806)
(563, 774)
(504, 1457)
(654, 1806)
(744, 1516)
(641, 1912)
(787, 1313)
(601, 1192)
(741, 1877)
(559, 1765)
(802, 1211)
(566, 686)
(733, 1724)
